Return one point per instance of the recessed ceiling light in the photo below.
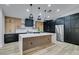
(27, 10)
(49, 5)
(48, 16)
(40, 14)
(58, 10)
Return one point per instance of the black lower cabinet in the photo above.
(8, 38)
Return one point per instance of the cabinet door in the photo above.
(9, 25)
(60, 21)
(52, 27)
(75, 28)
(10, 38)
(18, 23)
(47, 26)
(39, 25)
(67, 30)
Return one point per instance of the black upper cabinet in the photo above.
(29, 22)
(60, 21)
(49, 26)
(75, 21)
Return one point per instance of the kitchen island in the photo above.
(33, 41)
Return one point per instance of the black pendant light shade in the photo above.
(31, 16)
(38, 7)
(39, 18)
(30, 4)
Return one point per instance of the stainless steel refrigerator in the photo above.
(59, 32)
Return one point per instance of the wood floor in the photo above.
(57, 49)
(10, 49)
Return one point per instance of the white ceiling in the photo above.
(19, 10)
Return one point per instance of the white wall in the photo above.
(1, 28)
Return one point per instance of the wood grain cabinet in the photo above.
(33, 42)
(18, 23)
(39, 25)
(11, 24)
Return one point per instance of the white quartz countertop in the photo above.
(21, 36)
(34, 34)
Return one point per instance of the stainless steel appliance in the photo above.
(59, 32)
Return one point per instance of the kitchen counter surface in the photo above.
(15, 33)
(34, 34)
(24, 33)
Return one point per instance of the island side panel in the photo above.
(32, 42)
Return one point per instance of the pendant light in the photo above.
(39, 16)
(31, 15)
(45, 14)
